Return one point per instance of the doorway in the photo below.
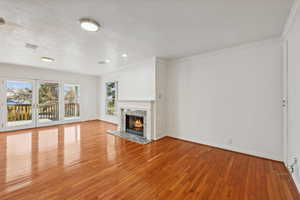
(29, 103)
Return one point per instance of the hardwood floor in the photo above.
(81, 161)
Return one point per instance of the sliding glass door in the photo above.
(18, 104)
(48, 103)
(34, 103)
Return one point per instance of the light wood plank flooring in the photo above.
(81, 161)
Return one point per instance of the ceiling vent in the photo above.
(31, 46)
(102, 62)
(2, 21)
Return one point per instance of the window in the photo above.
(111, 96)
(71, 100)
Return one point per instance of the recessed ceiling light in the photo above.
(124, 55)
(89, 24)
(47, 59)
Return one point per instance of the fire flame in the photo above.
(138, 124)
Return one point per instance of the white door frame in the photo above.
(71, 119)
(4, 107)
(285, 102)
(39, 124)
(35, 83)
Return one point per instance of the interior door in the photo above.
(18, 108)
(48, 104)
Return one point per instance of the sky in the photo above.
(24, 84)
(19, 84)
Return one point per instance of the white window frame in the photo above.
(3, 111)
(106, 98)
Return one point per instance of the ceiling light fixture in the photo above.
(89, 24)
(124, 55)
(47, 59)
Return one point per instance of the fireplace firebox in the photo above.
(134, 124)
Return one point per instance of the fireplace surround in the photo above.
(134, 125)
(135, 120)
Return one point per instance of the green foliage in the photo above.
(48, 93)
(111, 90)
(71, 94)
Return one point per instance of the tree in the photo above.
(70, 95)
(48, 93)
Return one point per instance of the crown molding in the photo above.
(161, 60)
(291, 19)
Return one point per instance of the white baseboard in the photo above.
(235, 149)
(160, 137)
(109, 120)
(296, 181)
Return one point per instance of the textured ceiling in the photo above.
(140, 28)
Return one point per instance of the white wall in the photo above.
(88, 84)
(161, 74)
(293, 65)
(135, 82)
(230, 99)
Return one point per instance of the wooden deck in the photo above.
(81, 161)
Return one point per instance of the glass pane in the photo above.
(48, 102)
(111, 91)
(110, 107)
(19, 103)
(71, 100)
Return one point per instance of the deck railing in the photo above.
(50, 111)
(20, 112)
(72, 110)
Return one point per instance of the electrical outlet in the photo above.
(229, 142)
